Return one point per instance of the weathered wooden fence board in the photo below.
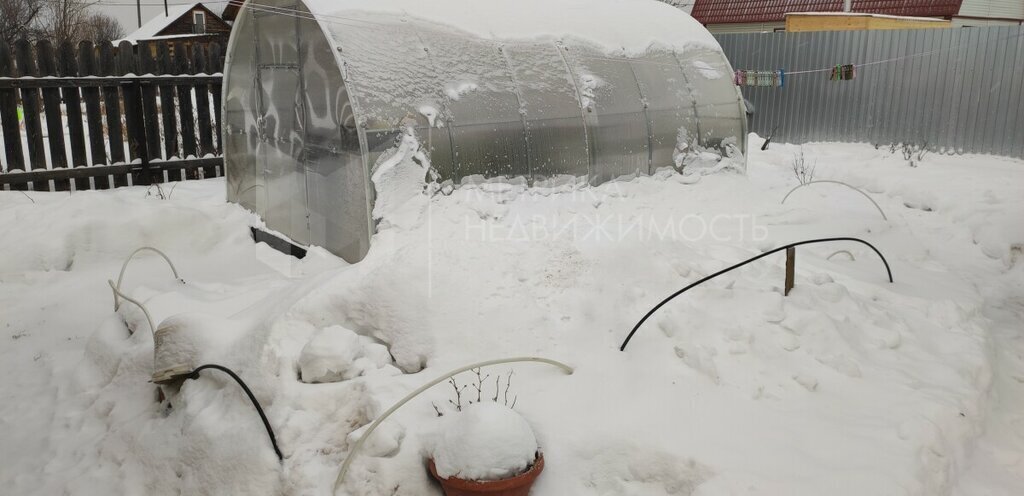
(25, 59)
(188, 131)
(112, 110)
(47, 65)
(133, 118)
(68, 66)
(93, 112)
(165, 66)
(216, 65)
(147, 65)
(9, 120)
(202, 93)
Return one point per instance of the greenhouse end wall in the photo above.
(292, 151)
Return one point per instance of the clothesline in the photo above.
(777, 78)
(865, 64)
(895, 59)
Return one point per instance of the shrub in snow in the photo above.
(337, 354)
(912, 152)
(803, 171)
(485, 441)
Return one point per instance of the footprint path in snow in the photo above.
(996, 467)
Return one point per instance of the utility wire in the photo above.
(897, 59)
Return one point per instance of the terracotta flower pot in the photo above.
(513, 486)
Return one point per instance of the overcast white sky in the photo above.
(125, 10)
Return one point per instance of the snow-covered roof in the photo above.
(630, 26)
(150, 29)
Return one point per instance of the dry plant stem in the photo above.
(373, 426)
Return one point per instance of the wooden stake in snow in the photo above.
(790, 268)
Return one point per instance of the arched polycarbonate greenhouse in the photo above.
(316, 91)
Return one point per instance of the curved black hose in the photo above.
(745, 262)
(266, 423)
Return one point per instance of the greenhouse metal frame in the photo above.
(312, 100)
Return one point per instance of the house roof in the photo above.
(228, 9)
(742, 11)
(157, 24)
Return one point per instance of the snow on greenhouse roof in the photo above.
(629, 26)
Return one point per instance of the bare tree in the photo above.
(57, 21)
(101, 27)
(64, 20)
(18, 18)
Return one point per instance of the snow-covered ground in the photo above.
(848, 386)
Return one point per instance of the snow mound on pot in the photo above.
(485, 441)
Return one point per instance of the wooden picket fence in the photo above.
(95, 117)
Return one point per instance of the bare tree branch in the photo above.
(479, 385)
(73, 21)
(19, 19)
(508, 384)
(101, 27)
(458, 394)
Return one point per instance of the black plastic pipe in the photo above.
(745, 262)
(266, 423)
